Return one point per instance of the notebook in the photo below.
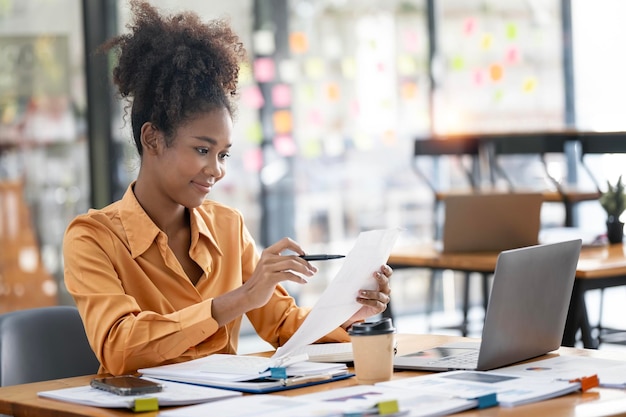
(491, 222)
(525, 316)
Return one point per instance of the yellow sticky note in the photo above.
(146, 404)
(314, 68)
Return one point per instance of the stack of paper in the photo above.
(249, 373)
(510, 390)
(355, 400)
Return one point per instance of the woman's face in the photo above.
(196, 158)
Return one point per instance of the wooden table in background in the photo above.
(598, 267)
(22, 400)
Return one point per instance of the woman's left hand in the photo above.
(374, 301)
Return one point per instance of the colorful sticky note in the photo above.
(254, 133)
(312, 148)
(298, 42)
(285, 145)
(362, 141)
(264, 70)
(410, 41)
(245, 74)
(469, 25)
(253, 160)
(332, 92)
(511, 30)
(496, 72)
(282, 122)
(530, 83)
(479, 77)
(355, 108)
(390, 137)
(512, 55)
(408, 90)
(307, 93)
(289, 71)
(348, 68)
(252, 97)
(314, 118)
(486, 41)
(281, 95)
(458, 63)
(406, 65)
(314, 68)
(263, 42)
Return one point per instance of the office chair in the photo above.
(43, 343)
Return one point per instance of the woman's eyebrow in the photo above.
(211, 141)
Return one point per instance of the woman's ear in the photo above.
(150, 137)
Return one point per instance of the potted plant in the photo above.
(613, 200)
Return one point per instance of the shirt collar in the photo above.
(141, 230)
(139, 227)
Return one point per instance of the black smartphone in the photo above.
(126, 385)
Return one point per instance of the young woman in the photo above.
(164, 275)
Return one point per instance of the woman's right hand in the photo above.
(274, 268)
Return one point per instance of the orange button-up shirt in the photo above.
(139, 307)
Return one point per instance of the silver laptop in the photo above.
(491, 222)
(525, 316)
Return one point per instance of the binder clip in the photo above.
(278, 373)
(587, 382)
(487, 400)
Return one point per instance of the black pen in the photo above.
(321, 257)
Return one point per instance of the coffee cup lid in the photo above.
(382, 326)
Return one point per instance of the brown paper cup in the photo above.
(373, 351)
(373, 358)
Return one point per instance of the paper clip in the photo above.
(587, 382)
(145, 404)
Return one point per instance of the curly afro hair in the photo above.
(173, 67)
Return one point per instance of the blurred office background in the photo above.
(335, 93)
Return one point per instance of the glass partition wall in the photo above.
(334, 95)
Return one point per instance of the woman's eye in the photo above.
(202, 151)
(224, 156)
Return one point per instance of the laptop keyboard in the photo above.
(463, 360)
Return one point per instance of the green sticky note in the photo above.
(388, 407)
(146, 404)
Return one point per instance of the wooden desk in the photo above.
(22, 400)
(598, 267)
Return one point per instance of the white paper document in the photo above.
(510, 390)
(338, 302)
(359, 399)
(611, 373)
(173, 394)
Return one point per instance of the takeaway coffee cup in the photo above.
(373, 350)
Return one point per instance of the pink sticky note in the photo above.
(264, 70)
(512, 55)
(252, 97)
(281, 95)
(285, 145)
(253, 160)
(409, 41)
(314, 117)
